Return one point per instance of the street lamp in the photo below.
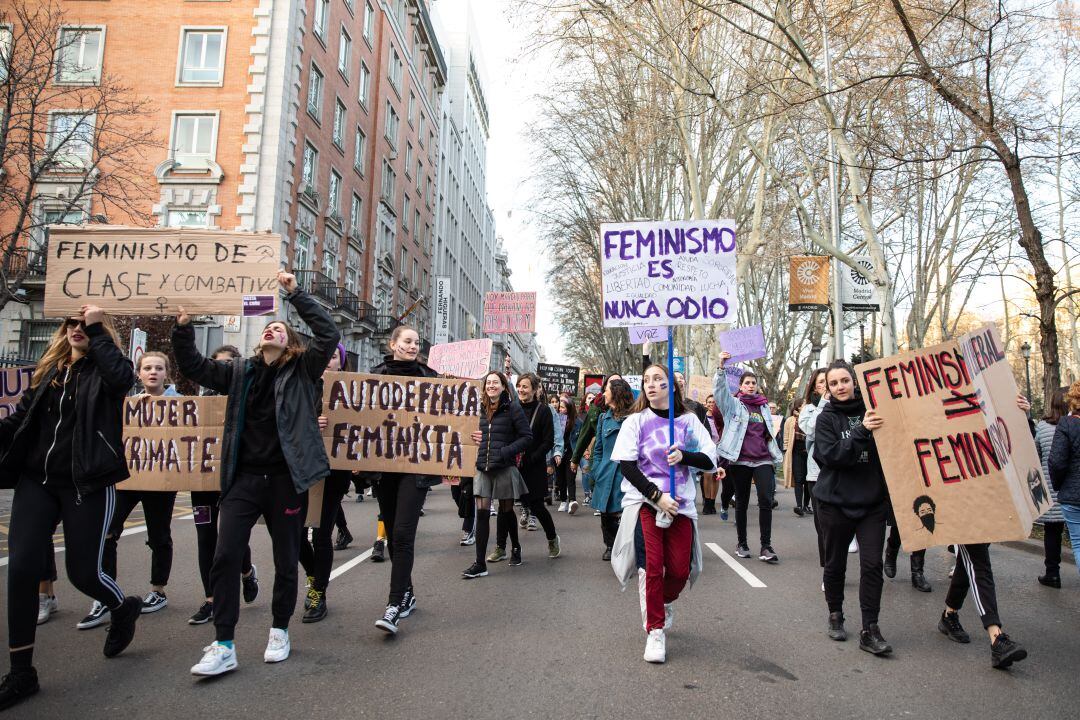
(1025, 352)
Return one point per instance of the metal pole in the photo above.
(1027, 376)
(671, 401)
(834, 216)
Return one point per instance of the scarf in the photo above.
(753, 402)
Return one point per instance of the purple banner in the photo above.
(255, 305)
(743, 343)
(639, 335)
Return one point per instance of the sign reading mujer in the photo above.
(678, 272)
(386, 423)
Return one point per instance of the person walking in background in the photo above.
(817, 394)
(1053, 521)
(607, 475)
(1064, 464)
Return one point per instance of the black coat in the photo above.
(98, 444)
(543, 438)
(505, 435)
(295, 394)
(1064, 460)
(851, 475)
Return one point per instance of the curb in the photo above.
(1035, 547)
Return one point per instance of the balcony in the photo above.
(348, 304)
(319, 285)
(29, 264)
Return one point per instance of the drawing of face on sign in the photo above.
(925, 508)
(1036, 487)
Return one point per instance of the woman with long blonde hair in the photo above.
(61, 450)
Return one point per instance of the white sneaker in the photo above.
(573, 508)
(669, 615)
(641, 597)
(854, 546)
(278, 646)
(562, 507)
(216, 659)
(656, 647)
(46, 607)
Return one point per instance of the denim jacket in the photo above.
(736, 418)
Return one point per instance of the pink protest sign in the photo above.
(465, 359)
(509, 312)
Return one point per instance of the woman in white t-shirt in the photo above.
(662, 518)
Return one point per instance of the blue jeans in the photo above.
(1072, 521)
(586, 476)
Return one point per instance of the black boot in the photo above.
(1052, 579)
(708, 507)
(871, 641)
(890, 561)
(836, 626)
(918, 580)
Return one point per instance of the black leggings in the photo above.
(798, 479)
(317, 556)
(813, 503)
(483, 526)
(204, 505)
(400, 503)
(609, 527)
(157, 511)
(763, 476)
(35, 511)
(565, 482)
(1052, 546)
(838, 529)
(537, 508)
(727, 490)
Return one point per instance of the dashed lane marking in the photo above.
(735, 565)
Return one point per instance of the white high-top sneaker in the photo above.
(656, 647)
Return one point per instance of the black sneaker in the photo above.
(389, 621)
(767, 555)
(203, 615)
(474, 571)
(317, 610)
(742, 550)
(949, 624)
(1052, 580)
(250, 584)
(607, 554)
(408, 604)
(344, 539)
(515, 557)
(122, 627)
(1004, 652)
(378, 551)
(799, 511)
(836, 626)
(16, 686)
(154, 601)
(871, 641)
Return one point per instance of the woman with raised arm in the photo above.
(62, 452)
(271, 453)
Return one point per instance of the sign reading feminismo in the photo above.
(668, 273)
(152, 271)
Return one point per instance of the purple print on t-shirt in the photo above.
(652, 455)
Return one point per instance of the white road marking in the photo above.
(127, 531)
(346, 567)
(735, 565)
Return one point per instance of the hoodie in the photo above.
(851, 477)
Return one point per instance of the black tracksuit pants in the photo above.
(764, 478)
(158, 512)
(35, 511)
(252, 496)
(838, 529)
(317, 556)
(400, 503)
(973, 571)
(204, 505)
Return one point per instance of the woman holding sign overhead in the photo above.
(61, 450)
(271, 453)
(401, 495)
(657, 512)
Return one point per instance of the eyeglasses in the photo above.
(74, 323)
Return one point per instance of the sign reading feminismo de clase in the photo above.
(668, 273)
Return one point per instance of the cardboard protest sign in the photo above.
(559, 378)
(958, 456)
(13, 383)
(152, 271)
(594, 383)
(386, 423)
(465, 359)
(743, 343)
(639, 335)
(509, 312)
(808, 286)
(668, 272)
(634, 381)
(856, 292)
(698, 387)
(173, 443)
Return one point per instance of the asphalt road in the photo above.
(556, 638)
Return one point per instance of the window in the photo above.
(369, 22)
(71, 138)
(393, 125)
(419, 177)
(187, 218)
(339, 124)
(349, 4)
(202, 57)
(389, 179)
(408, 158)
(5, 50)
(360, 151)
(405, 209)
(365, 85)
(396, 68)
(79, 55)
(310, 168)
(415, 271)
(412, 108)
(420, 129)
(322, 16)
(333, 204)
(194, 138)
(404, 261)
(352, 280)
(344, 51)
(302, 251)
(356, 206)
(331, 252)
(314, 92)
(416, 225)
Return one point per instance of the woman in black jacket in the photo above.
(1064, 464)
(401, 495)
(504, 433)
(852, 502)
(271, 453)
(62, 452)
(533, 472)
